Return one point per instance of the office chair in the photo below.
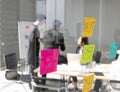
(97, 56)
(11, 67)
(51, 83)
(12, 70)
(114, 81)
(112, 85)
(115, 84)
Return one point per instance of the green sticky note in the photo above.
(87, 54)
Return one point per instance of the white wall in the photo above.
(92, 9)
(12, 11)
(74, 12)
(8, 28)
(70, 13)
(55, 10)
(110, 23)
(27, 10)
(107, 28)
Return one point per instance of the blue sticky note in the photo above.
(113, 50)
(27, 37)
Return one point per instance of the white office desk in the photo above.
(63, 70)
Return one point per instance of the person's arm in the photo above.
(61, 42)
(62, 45)
(106, 54)
(77, 49)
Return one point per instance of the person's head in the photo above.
(40, 19)
(82, 41)
(56, 24)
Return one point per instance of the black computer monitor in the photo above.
(97, 57)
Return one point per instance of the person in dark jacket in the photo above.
(53, 38)
(34, 45)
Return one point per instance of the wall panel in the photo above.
(9, 34)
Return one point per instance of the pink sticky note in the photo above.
(27, 27)
(49, 60)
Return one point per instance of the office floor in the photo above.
(13, 86)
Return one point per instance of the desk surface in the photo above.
(63, 70)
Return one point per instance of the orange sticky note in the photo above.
(88, 27)
(87, 83)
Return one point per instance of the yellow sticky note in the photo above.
(87, 54)
(88, 27)
(87, 83)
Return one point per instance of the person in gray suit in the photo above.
(53, 39)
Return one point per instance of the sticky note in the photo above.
(88, 27)
(87, 83)
(87, 54)
(113, 50)
(49, 61)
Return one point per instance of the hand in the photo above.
(39, 40)
(106, 54)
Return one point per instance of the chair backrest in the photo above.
(62, 59)
(11, 61)
(97, 56)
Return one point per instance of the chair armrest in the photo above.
(114, 81)
(17, 70)
(114, 86)
(10, 69)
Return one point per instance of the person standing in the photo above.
(53, 39)
(34, 45)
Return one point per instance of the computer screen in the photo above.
(73, 61)
(97, 56)
(73, 57)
